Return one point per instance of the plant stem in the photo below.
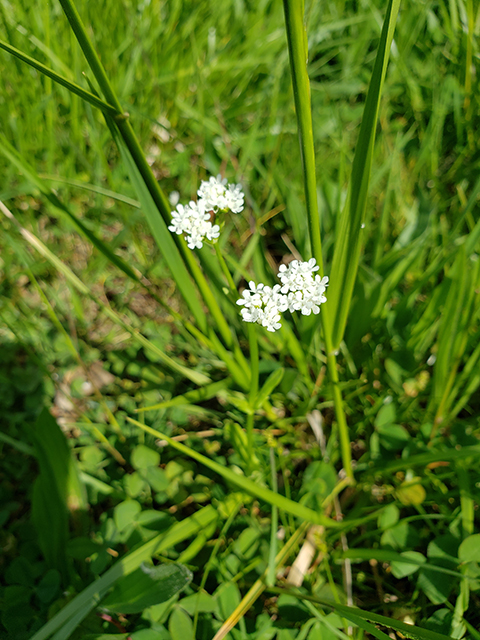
(253, 343)
(298, 53)
(226, 271)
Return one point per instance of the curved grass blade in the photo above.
(121, 129)
(356, 616)
(71, 86)
(348, 242)
(108, 193)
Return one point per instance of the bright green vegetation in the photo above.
(353, 434)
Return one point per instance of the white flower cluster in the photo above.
(301, 290)
(194, 219)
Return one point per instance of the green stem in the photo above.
(253, 342)
(298, 53)
(130, 139)
(226, 271)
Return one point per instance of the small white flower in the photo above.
(194, 219)
(218, 196)
(234, 198)
(301, 290)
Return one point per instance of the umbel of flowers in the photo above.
(194, 220)
(301, 290)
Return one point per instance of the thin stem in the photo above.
(298, 52)
(253, 343)
(226, 271)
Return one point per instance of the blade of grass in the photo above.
(191, 397)
(150, 184)
(71, 86)
(348, 243)
(356, 615)
(272, 565)
(10, 152)
(298, 53)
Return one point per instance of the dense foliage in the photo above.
(106, 354)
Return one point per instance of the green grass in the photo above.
(208, 89)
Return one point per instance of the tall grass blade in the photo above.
(348, 242)
(71, 86)
(148, 182)
(298, 52)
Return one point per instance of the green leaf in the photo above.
(157, 478)
(180, 625)
(469, 550)
(57, 491)
(143, 457)
(125, 512)
(201, 601)
(405, 568)
(49, 586)
(271, 383)
(75, 611)
(147, 586)
(436, 587)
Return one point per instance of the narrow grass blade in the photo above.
(262, 493)
(423, 459)
(356, 615)
(194, 376)
(161, 234)
(348, 242)
(272, 565)
(108, 193)
(71, 86)
(85, 601)
(384, 555)
(139, 168)
(298, 52)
